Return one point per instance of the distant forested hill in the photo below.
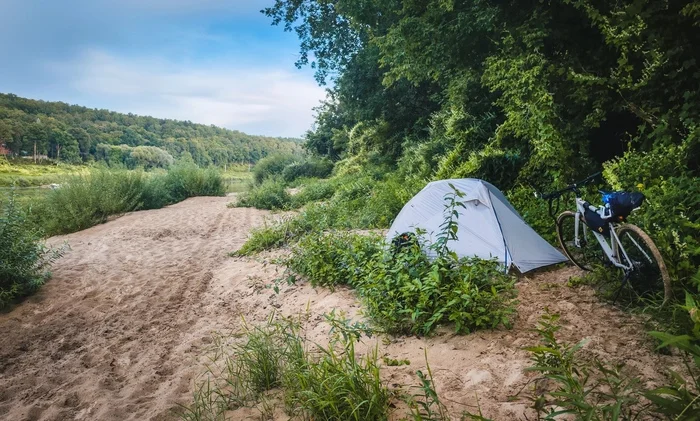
(73, 133)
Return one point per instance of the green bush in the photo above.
(310, 168)
(671, 211)
(83, 201)
(405, 290)
(188, 180)
(24, 259)
(86, 200)
(411, 293)
(313, 191)
(271, 166)
(270, 194)
(334, 258)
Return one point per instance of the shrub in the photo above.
(188, 180)
(271, 166)
(24, 259)
(87, 200)
(405, 290)
(270, 194)
(410, 293)
(334, 258)
(313, 191)
(671, 211)
(310, 168)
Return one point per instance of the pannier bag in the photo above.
(622, 203)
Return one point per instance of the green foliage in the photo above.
(338, 385)
(568, 385)
(271, 166)
(410, 293)
(147, 157)
(89, 199)
(363, 203)
(318, 382)
(680, 400)
(187, 180)
(309, 168)
(314, 191)
(270, 194)
(335, 258)
(671, 211)
(405, 290)
(73, 134)
(24, 259)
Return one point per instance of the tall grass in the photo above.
(89, 199)
(315, 382)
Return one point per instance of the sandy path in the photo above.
(114, 334)
(119, 332)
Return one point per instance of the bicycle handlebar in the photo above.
(570, 187)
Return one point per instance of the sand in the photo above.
(120, 331)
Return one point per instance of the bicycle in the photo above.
(623, 245)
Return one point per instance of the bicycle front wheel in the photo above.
(588, 251)
(649, 276)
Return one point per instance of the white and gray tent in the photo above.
(489, 227)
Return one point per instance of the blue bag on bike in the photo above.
(622, 203)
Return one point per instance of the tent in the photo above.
(489, 227)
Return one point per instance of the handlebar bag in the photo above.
(622, 203)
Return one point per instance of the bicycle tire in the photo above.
(582, 256)
(644, 270)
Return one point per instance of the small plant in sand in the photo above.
(314, 382)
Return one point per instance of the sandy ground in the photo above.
(120, 330)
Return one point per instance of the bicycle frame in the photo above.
(613, 250)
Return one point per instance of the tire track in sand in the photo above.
(113, 335)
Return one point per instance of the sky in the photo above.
(208, 61)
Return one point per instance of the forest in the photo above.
(528, 95)
(76, 134)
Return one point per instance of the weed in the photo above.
(270, 194)
(24, 259)
(406, 290)
(590, 391)
(426, 405)
(324, 383)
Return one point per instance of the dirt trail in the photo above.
(119, 331)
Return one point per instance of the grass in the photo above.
(87, 198)
(315, 382)
(24, 173)
(237, 178)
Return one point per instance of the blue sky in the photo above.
(209, 61)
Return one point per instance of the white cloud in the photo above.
(255, 100)
(240, 7)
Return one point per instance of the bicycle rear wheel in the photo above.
(649, 276)
(588, 252)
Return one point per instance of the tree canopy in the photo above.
(545, 89)
(73, 133)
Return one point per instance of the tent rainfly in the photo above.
(489, 227)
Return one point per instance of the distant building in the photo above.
(4, 151)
